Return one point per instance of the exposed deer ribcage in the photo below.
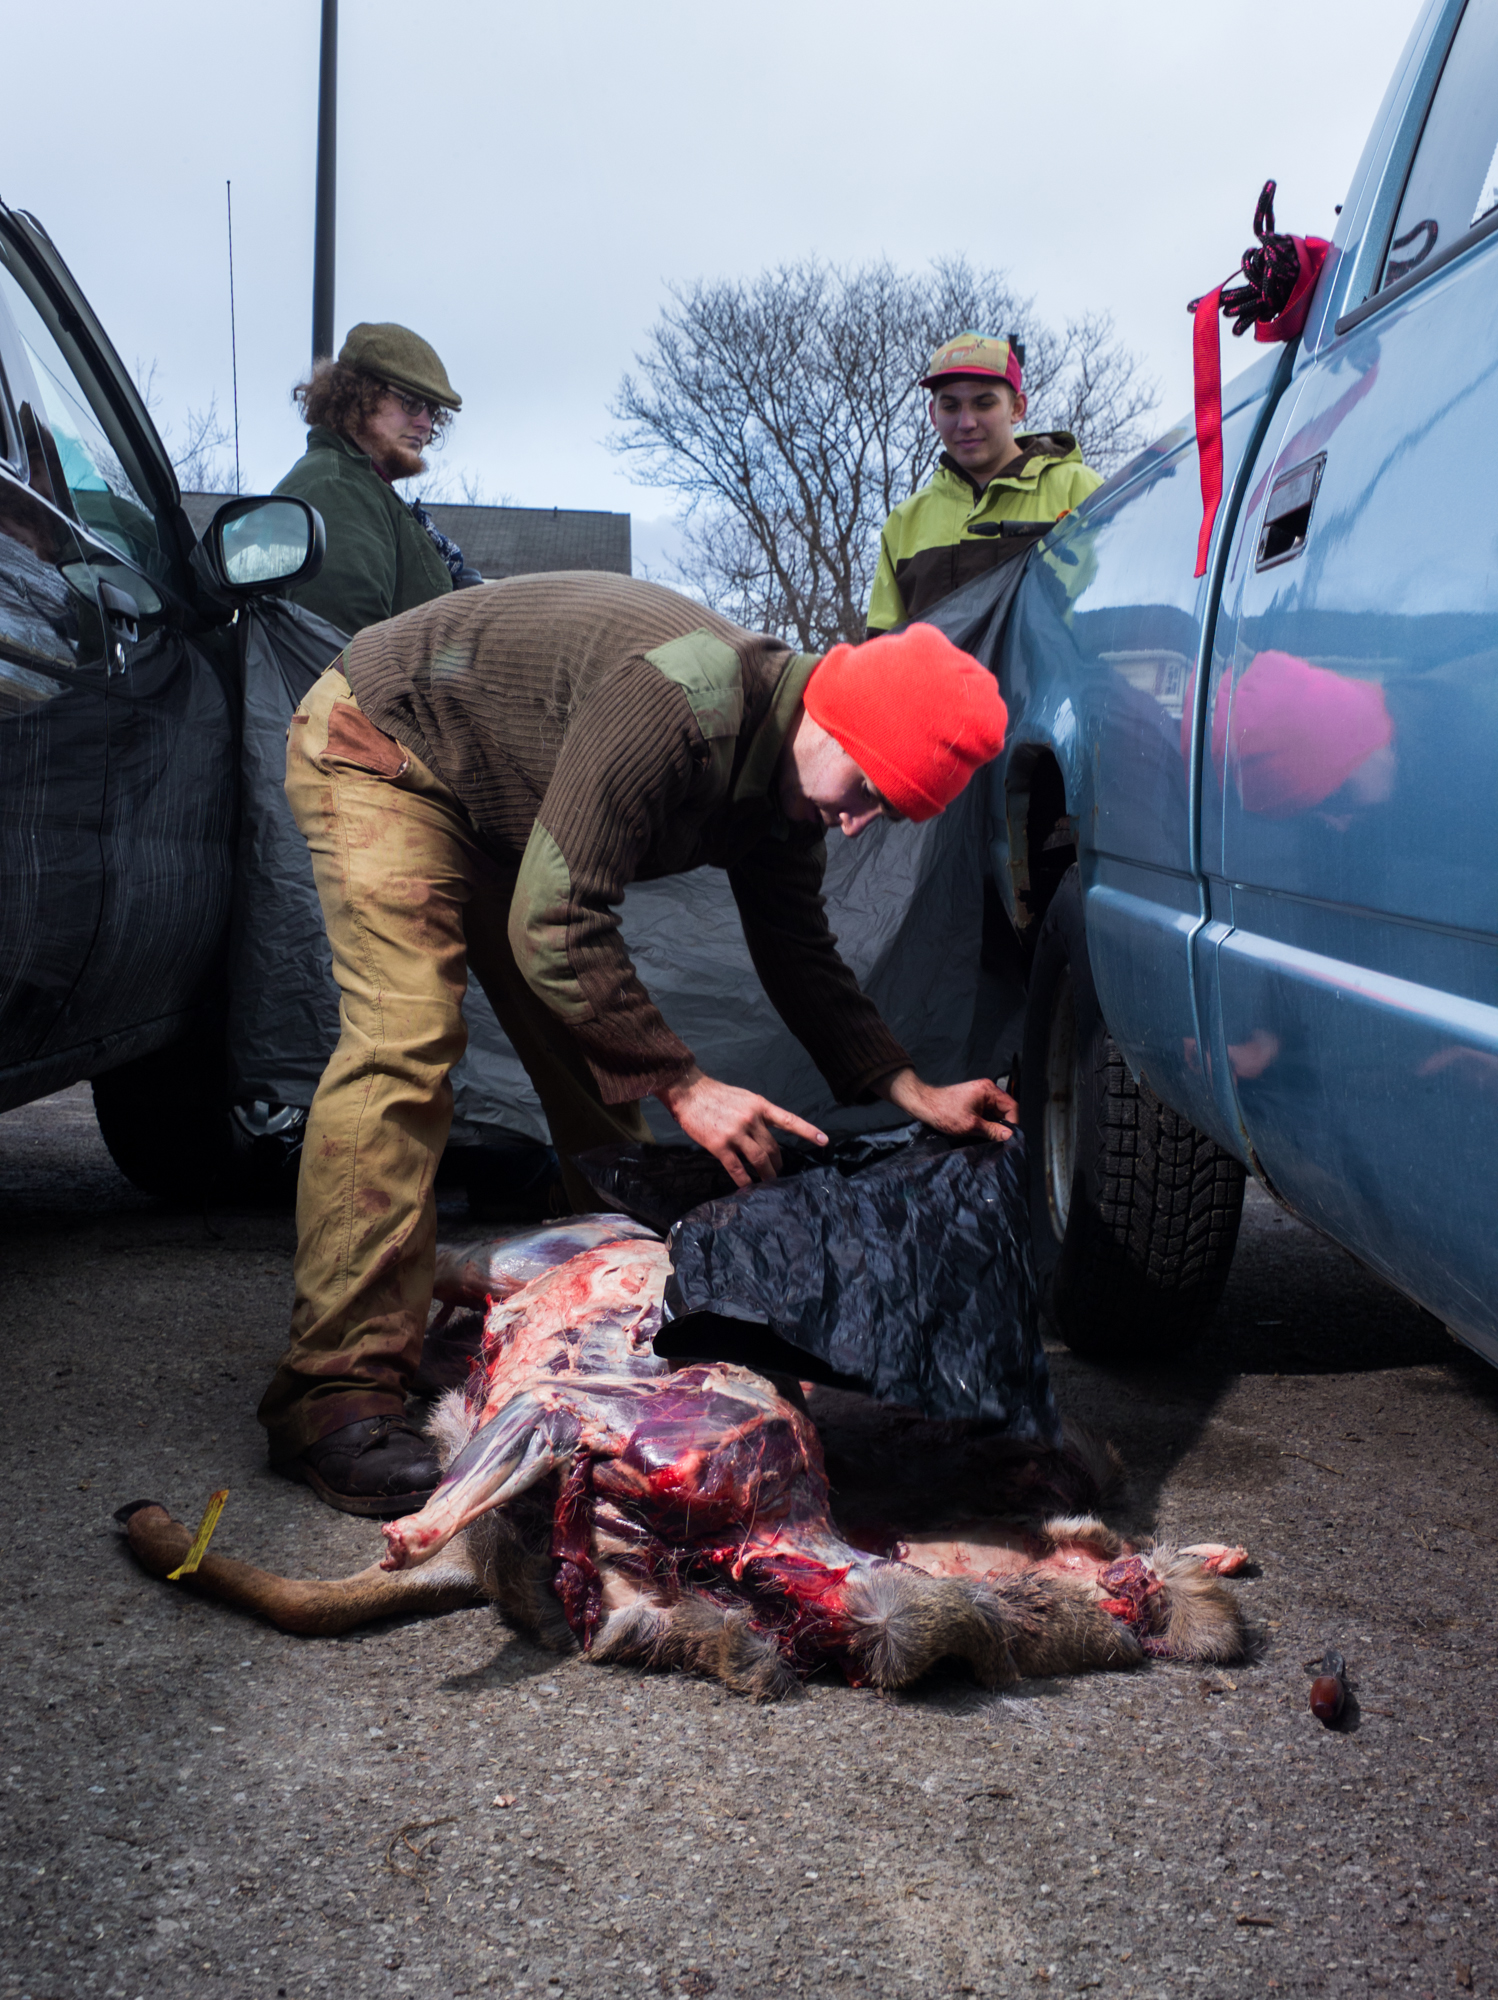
(478, 1274)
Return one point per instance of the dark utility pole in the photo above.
(327, 186)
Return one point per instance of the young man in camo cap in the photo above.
(952, 529)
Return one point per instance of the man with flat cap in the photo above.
(371, 414)
(479, 782)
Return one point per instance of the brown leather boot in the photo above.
(380, 1467)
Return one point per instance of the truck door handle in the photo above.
(1287, 513)
(122, 615)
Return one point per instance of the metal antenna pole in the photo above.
(327, 186)
(233, 335)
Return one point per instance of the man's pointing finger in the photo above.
(789, 1122)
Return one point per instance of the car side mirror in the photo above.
(253, 546)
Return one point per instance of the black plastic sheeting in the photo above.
(910, 1279)
(658, 1185)
(904, 901)
(283, 1003)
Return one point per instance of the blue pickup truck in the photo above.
(1247, 824)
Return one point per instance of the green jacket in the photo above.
(380, 560)
(948, 532)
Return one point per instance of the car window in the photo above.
(1453, 183)
(72, 458)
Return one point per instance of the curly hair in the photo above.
(343, 399)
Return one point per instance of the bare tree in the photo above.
(453, 486)
(195, 457)
(197, 463)
(787, 415)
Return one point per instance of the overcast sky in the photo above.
(520, 183)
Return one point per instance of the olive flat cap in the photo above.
(400, 357)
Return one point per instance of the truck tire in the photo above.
(1135, 1213)
(165, 1119)
(266, 1141)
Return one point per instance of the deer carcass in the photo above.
(681, 1516)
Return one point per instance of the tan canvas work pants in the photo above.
(411, 902)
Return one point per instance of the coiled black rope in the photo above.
(1270, 271)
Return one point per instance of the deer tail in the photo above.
(1202, 1619)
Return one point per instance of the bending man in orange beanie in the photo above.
(479, 782)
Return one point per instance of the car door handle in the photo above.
(1287, 513)
(122, 615)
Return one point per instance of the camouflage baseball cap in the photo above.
(401, 358)
(976, 354)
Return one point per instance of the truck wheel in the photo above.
(165, 1119)
(1134, 1212)
(266, 1145)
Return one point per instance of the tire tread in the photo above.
(1155, 1249)
(1155, 1205)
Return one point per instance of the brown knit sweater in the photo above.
(535, 702)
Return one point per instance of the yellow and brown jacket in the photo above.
(604, 731)
(951, 530)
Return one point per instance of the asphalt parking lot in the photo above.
(198, 1805)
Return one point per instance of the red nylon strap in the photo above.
(1206, 354)
(1206, 348)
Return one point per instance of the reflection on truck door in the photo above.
(1350, 825)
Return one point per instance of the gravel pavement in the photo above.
(198, 1805)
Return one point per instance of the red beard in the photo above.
(398, 463)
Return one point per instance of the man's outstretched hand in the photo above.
(974, 1110)
(735, 1125)
(738, 1127)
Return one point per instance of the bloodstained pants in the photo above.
(411, 902)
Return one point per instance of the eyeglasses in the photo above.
(414, 405)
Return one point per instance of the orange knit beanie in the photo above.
(914, 713)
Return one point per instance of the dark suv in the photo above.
(121, 644)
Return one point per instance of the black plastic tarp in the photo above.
(658, 1185)
(910, 1279)
(905, 903)
(283, 1004)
